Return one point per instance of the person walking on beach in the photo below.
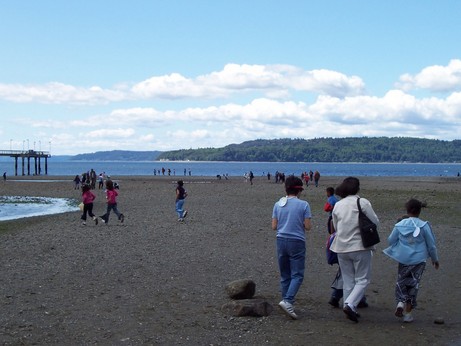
(354, 259)
(291, 218)
(87, 199)
(111, 197)
(337, 284)
(329, 205)
(77, 182)
(410, 244)
(181, 195)
(252, 176)
(100, 181)
(316, 178)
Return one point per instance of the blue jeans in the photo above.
(110, 207)
(179, 208)
(291, 255)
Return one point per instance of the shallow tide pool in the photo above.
(16, 207)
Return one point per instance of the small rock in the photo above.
(241, 289)
(439, 320)
(248, 307)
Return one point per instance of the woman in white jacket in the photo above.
(354, 258)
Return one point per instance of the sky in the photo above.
(85, 76)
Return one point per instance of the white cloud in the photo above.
(110, 133)
(434, 78)
(58, 93)
(274, 80)
(340, 109)
(268, 79)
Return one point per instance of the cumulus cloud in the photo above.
(238, 103)
(233, 79)
(270, 79)
(58, 93)
(434, 78)
(114, 133)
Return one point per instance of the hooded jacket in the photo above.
(410, 247)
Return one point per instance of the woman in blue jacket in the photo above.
(411, 243)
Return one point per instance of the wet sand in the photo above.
(153, 280)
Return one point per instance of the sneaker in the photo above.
(408, 318)
(184, 214)
(122, 218)
(350, 314)
(84, 223)
(180, 219)
(334, 302)
(288, 309)
(95, 220)
(399, 309)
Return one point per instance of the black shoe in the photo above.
(350, 314)
(334, 302)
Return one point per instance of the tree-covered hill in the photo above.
(118, 155)
(362, 149)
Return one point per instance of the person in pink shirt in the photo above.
(87, 199)
(111, 197)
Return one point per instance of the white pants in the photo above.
(356, 270)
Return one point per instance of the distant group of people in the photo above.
(306, 177)
(89, 178)
(169, 171)
(249, 176)
(311, 176)
(410, 244)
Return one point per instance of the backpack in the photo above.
(332, 257)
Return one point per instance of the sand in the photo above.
(153, 280)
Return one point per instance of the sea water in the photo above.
(16, 207)
(194, 168)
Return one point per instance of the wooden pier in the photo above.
(27, 156)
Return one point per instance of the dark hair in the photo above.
(349, 187)
(180, 183)
(109, 185)
(413, 207)
(330, 190)
(293, 185)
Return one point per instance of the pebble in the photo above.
(439, 320)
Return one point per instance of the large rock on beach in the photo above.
(248, 307)
(241, 289)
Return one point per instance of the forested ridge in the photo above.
(353, 149)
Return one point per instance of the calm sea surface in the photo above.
(56, 168)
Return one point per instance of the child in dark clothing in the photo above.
(111, 196)
(87, 199)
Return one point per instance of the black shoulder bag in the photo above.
(368, 229)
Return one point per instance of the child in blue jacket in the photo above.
(410, 243)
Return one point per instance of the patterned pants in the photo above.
(407, 286)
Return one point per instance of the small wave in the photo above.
(16, 207)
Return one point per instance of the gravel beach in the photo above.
(155, 281)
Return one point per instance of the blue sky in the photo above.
(86, 76)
